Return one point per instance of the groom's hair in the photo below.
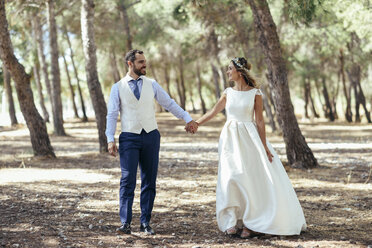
(131, 55)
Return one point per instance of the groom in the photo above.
(139, 142)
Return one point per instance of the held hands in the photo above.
(112, 149)
(191, 127)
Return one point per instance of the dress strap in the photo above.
(258, 92)
(225, 91)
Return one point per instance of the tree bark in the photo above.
(216, 81)
(179, 91)
(192, 102)
(182, 89)
(269, 95)
(36, 125)
(56, 80)
(354, 76)
(167, 80)
(306, 97)
(204, 109)
(224, 79)
(362, 101)
(114, 66)
(40, 92)
(158, 107)
(316, 115)
(70, 87)
(329, 111)
(334, 96)
(9, 96)
(267, 107)
(298, 152)
(98, 101)
(85, 118)
(124, 14)
(348, 113)
(40, 51)
(213, 40)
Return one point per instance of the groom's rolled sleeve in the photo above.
(112, 113)
(169, 104)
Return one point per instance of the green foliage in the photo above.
(303, 10)
(180, 14)
(311, 33)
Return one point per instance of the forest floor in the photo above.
(72, 201)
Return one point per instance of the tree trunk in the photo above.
(36, 125)
(167, 79)
(269, 94)
(354, 76)
(320, 97)
(348, 113)
(70, 87)
(334, 97)
(40, 92)
(362, 100)
(85, 118)
(158, 107)
(114, 66)
(192, 102)
(224, 79)
(316, 115)
(9, 96)
(216, 81)
(40, 51)
(204, 109)
(306, 97)
(267, 107)
(182, 89)
(329, 111)
(98, 101)
(56, 80)
(124, 14)
(179, 91)
(298, 152)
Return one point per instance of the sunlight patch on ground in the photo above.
(350, 146)
(315, 243)
(311, 183)
(15, 133)
(37, 175)
(102, 205)
(349, 127)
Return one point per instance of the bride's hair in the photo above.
(242, 66)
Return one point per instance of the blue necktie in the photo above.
(136, 90)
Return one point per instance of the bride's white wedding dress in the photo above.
(249, 187)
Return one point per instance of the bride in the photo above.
(253, 189)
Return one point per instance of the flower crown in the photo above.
(236, 61)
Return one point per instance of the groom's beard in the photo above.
(140, 71)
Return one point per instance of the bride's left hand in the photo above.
(269, 155)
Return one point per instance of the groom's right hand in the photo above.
(113, 150)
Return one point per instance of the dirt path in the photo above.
(72, 201)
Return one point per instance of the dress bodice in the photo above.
(240, 104)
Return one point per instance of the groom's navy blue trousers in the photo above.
(134, 149)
